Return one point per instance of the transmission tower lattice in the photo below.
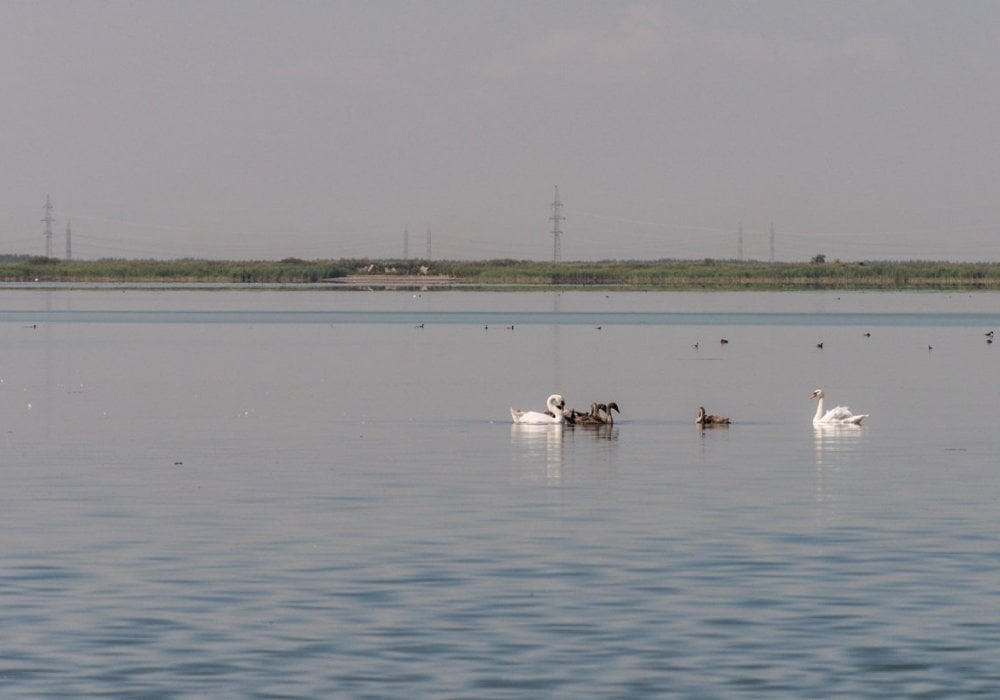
(556, 220)
(49, 219)
(69, 245)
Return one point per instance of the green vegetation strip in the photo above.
(659, 274)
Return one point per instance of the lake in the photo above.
(264, 494)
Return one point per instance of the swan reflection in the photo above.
(598, 432)
(831, 444)
(540, 443)
(830, 438)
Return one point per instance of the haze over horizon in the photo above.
(261, 130)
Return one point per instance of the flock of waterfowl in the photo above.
(556, 413)
(600, 414)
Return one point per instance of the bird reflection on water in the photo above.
(832, 443)
(540, 443)
(603, 431)
(831, 438)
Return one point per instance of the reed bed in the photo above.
(657, 274)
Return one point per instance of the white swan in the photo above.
(556, 413)
(841, 415)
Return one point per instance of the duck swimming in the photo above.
(555, 415)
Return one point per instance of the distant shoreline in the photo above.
(689, 275)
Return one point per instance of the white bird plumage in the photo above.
(556, 413)
(839, 415)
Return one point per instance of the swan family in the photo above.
(556, 413)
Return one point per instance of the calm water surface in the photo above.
(305, 494)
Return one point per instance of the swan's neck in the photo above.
(556, 412)
(819, 409)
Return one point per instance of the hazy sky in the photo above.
(251, 129)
